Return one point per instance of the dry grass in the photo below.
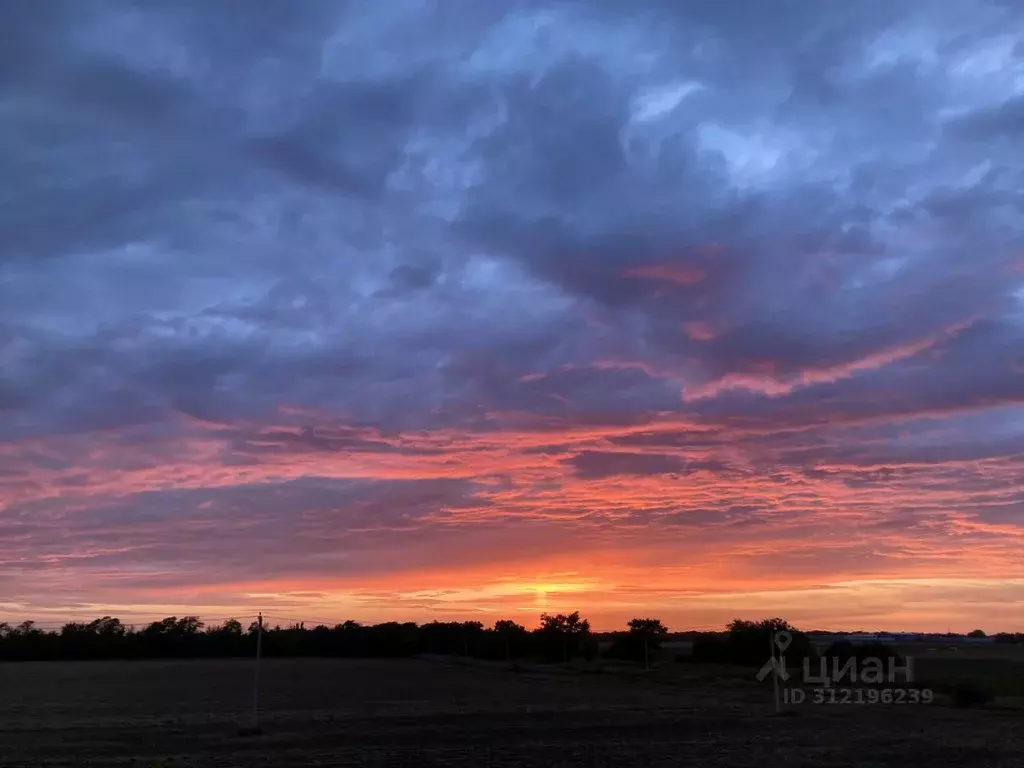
(428, 712)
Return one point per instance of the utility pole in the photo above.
(775, 669)
(256, 675)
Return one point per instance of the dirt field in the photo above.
(440, 713)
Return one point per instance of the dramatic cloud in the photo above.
(406, 308)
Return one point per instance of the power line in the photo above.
(317, 622)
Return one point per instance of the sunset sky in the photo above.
(476, 309)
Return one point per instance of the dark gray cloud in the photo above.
(203, 199)
(594, 464)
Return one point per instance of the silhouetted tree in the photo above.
(643, 638)
(749, 643)
(161, 627)
(232, 627)
(442, 637)
(559, 637)
(512, 637)
(27, 629)
(471, 633)
(226, 640)
(188, 625)
(977, 633)
(563, 636)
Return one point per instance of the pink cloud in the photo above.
(680, 274)
(700, 331)
(774, 385)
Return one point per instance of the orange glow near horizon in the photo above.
(873, 605)
(681, 517)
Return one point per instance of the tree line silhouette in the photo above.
(560, 637)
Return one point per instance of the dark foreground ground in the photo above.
(440, 713)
